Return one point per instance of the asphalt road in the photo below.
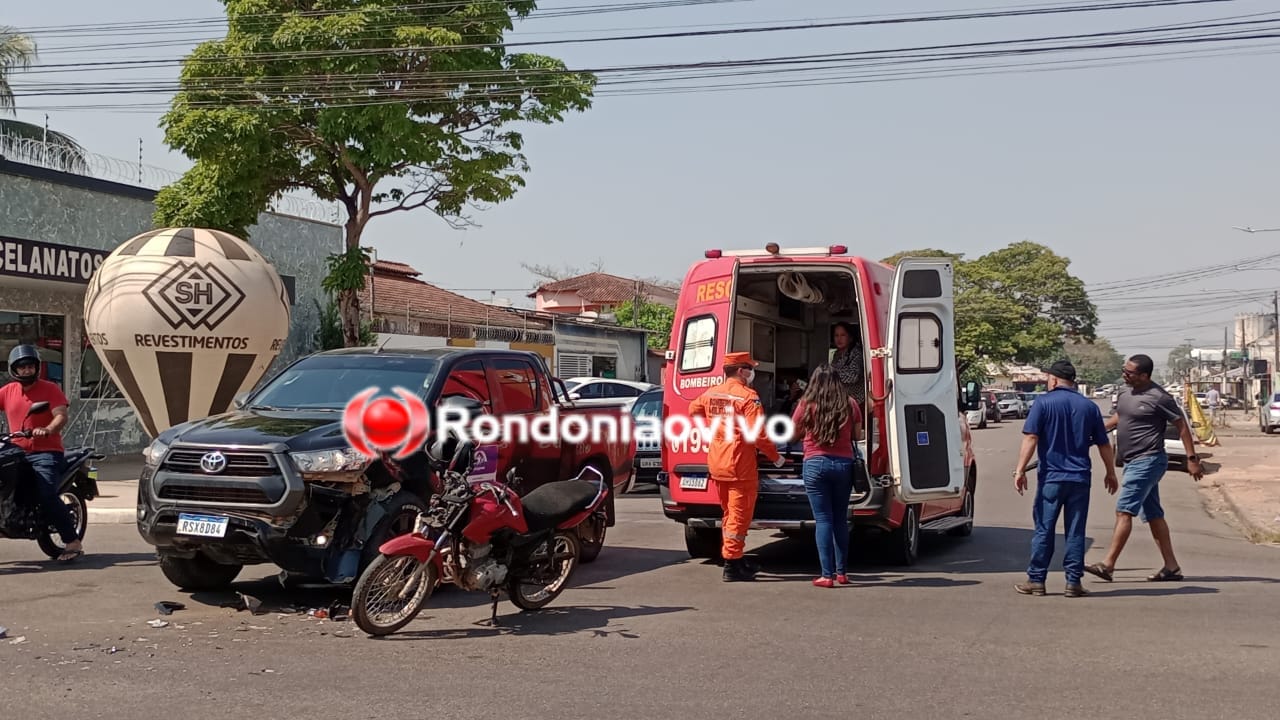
(647, 633)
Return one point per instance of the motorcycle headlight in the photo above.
(154, 453)
(330, 461)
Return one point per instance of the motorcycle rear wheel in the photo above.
(567, 551)
(385, 578)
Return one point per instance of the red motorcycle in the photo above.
(480, 537)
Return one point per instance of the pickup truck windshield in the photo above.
(329, 382)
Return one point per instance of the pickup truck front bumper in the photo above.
(273, 515)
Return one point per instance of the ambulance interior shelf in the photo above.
(788, 336)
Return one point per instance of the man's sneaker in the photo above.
(1075, 590)
(1029, 588)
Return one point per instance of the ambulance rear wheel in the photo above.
(904, 541)
(702, 542)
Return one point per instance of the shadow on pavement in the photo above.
(564, 620)
(1154, 591)
(88, 561)
(614, 562)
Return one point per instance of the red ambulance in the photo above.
(781, 305)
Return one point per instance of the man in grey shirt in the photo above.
(1143, 412)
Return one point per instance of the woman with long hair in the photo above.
(830, 421)
(847, 360)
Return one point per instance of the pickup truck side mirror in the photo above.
(575, 396)
(239, 400)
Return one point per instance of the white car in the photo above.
(977, 419)
(605, 392)
(1269, 415)
(1011, 404)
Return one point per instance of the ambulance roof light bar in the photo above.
(772, 249)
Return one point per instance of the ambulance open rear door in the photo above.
(924, 438)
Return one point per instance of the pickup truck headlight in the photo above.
(154, 453)
(330, 461)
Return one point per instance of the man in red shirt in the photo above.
(44, 448)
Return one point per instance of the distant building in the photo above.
(598, 292)
(409, 312)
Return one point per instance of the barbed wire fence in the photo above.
(53, 156)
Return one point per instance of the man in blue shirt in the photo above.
(1061, 428)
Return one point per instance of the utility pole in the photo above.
(1275, 328)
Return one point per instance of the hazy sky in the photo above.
(1130, 171)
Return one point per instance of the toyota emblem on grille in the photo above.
(214, 462)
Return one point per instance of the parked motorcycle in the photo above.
(480, 537)
(21, 517)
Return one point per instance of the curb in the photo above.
(112, 516)
(1254, 532)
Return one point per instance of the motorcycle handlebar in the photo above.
(18, 434)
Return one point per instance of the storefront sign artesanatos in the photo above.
(185, 319)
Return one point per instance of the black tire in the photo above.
(378, 574)
(567, 551)
(197, 574)
(591, 534)
(702, 542)
(904, 542)
(966, 511)
(50, 541)
(402, 512)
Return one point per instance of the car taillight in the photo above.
(711, 254)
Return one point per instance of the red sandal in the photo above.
(824, 582)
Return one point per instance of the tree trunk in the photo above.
(349, 298)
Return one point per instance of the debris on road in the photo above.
(158, 623)
(3, 631)
(166, 607)
(18, 640)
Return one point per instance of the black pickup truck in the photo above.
(275, 480)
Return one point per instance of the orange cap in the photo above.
(739, 358)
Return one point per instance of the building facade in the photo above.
(408, 312)
(598, 293)
(57, 227)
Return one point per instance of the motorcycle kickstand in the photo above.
(493, 616)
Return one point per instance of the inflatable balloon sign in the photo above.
(184, 319)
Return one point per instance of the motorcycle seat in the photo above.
(555, 502)
(74, 455)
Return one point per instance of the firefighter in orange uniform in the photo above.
(732, 458)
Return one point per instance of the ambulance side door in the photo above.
(924, 428)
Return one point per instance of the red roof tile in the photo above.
(597, 288)
(397, 289)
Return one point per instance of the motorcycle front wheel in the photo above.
(50, 541)
(536, 591)
(390, 593)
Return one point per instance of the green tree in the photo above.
(329, 334)
(1180, 361)
(1097, 363)
(652, 316)
(1016, 304)
(18, 52)
(377, 105)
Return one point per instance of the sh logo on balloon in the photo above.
(386, 424)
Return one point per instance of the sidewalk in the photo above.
(118, 483)
(1245, 470)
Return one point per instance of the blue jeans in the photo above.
(1140, 490)
(1071, 500)
(49, 467)
(829, 482)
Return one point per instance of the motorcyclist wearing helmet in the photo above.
(44, 448)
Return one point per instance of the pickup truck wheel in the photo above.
(702, 542)
(904, 545)
(402, 512)
(197, 574)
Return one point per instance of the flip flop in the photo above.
(1166, 575)
(70, 556)
(1100, 570)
